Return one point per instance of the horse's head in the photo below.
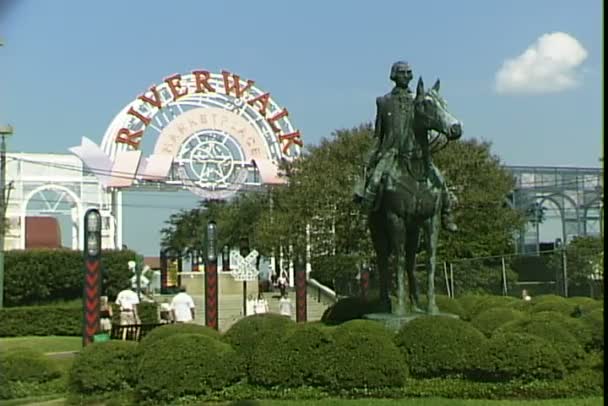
(432, 112)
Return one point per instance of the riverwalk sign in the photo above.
(210, 133)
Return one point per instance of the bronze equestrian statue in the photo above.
(402, 191)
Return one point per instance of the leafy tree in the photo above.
(584, 262)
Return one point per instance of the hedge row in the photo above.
(58, 320)
(360, 357)
(42, 276)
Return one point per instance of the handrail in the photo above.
(324, 294)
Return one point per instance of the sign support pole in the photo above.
(92, 276)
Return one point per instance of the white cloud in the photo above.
(548, 65)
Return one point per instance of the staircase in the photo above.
(231, 307)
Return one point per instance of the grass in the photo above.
(43, 344)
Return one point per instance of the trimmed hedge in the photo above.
(449, 305)
(169, 330)
(147, 312)
(59, 320)
(42, 276)
(586, 304)
(490, 302)
(365, 356)
(563, 306)
(575, 326)
(259, 330)
(104, 367)
(187, 365)
(489, 320)
(299, 358)
(26, 366)
(594, 320)
(511, 356)
(565, 344)
(438, 346)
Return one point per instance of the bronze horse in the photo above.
(410, 203)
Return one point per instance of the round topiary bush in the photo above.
(565, 344)
(489, 320)
(448, 305)
(438, 346)
(586, 304)
(511, 356)
(104, 367)
(595, 322)
(169, 330)
(260, 330)
(188, 364)
(300, 358)
(575, 326)
(365, 356)
(490, 302)
(26, 366)
(468, 302)
(562, 306)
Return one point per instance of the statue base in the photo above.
(394, 322)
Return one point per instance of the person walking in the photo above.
(285, 306)
(182, 307)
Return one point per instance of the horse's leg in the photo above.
(411, 246)
(431, 236)
(396, 230)
(382, 248)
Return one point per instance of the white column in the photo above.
(117, 215)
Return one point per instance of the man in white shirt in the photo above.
(128, 300)
(182, 307)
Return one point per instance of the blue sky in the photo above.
(68, 67)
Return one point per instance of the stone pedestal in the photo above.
(394, 322)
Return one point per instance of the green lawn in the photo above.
(44, 344)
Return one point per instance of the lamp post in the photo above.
(211, 293)
(562, 248)
(5, 131)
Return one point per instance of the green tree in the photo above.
(584, 262)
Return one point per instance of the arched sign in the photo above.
(211, 131)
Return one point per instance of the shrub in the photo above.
(148, 312)
(510, 356)
(436, 346)
(468, 302)
(595, 322)
(41, 276)
(365, 356)
(564, 343)
(490, 302)
(188, 364)
(449, 305)
(26, 366)
(299, 358)
(104, 367)
(169, 330)
(586, 303)
(260, 330)
(58, 320)
(558, 306)
(350, 308)
(575, 326)
(489, 320)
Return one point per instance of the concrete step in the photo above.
(231, 307)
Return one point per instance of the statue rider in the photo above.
(400, 102)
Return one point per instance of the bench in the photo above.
(131, 332)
